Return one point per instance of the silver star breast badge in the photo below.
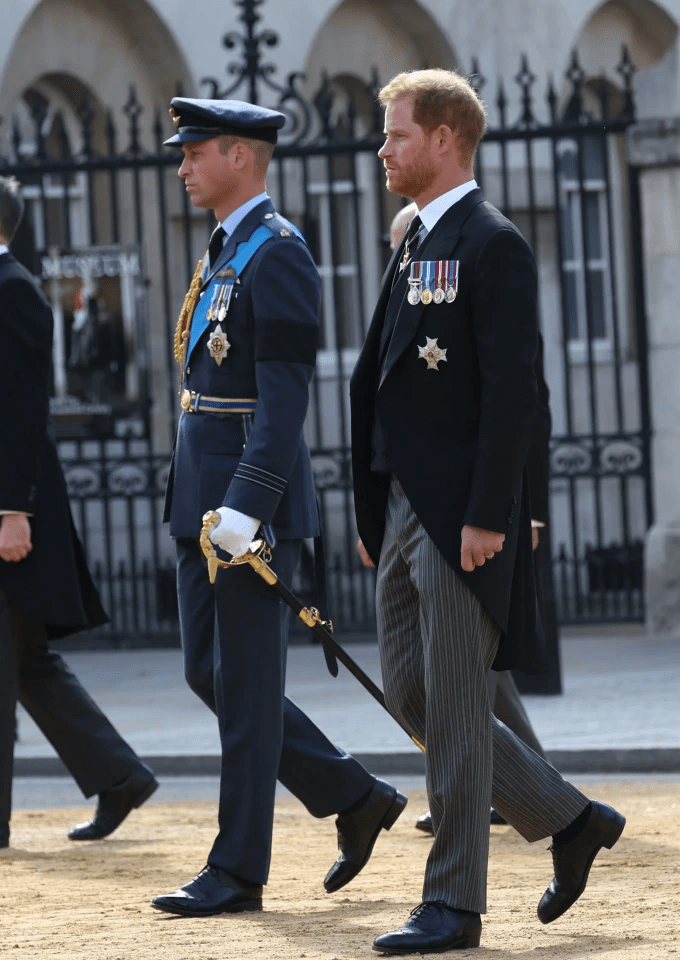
(432, 354)
(218, 345)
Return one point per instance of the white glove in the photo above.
(235, 532)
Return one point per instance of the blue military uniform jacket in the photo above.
(272, 328)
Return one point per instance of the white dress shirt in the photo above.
(432, 212)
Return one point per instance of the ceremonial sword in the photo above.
(258, 556)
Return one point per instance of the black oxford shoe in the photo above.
(213, 891)
(358, 831)
(424, 823)
(573, 860)
(433, 927)
(114, 805)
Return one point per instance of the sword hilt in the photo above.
(257, 554)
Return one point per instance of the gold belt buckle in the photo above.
(186, 399)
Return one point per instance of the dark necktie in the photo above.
(216, 244)
(413, 238)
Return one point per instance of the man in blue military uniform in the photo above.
(246, 344)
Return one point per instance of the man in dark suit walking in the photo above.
(246, 345)
(45, 587)
(442, 511)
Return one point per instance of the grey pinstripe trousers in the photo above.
(437, 644)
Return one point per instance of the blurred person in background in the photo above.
(45, 587)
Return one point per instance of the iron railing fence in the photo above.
(112, 234)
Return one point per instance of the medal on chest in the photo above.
(432, 353)
(427, 296)
(218, 345)
(433, 281)
(451, 279)
(415, 283)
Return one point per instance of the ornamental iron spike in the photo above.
(111, 134)
(501, 103)
(252, 71)
(325, 100)
(38, 108)
(525, 79)
(86, 116)
(576, 76)
(133, 110)
(551, 97)
(476, 78)
(627, 70)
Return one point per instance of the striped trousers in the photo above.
(437, 644)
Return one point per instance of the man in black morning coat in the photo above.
(246, 347)
(45, 586)
(442, 511)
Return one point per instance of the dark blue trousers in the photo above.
(30, 673)
(234, 637)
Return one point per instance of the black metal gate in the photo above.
(112, 234)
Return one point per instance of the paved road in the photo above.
(621, 704)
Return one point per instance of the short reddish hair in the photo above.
(441, 97)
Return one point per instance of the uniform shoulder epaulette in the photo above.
(280, 227)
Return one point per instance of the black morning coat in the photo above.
(273, 327)
(52, 584)
(458, 437)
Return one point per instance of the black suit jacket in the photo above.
(52, 584)
(458, 437)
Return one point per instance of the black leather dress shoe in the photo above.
(424, 823)
(358, 831)
(114, 805)
(213, 891)
(433, 927)
(573, 860)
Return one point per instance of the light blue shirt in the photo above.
(230, 223)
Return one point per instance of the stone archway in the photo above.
(360, 35)
(642, 25)
(105, 45)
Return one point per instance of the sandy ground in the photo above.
(62, 900)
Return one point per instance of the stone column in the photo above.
(654, 147)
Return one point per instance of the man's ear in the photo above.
(446, 137)
(240, 155)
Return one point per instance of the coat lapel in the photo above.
(439, 244)
(371, 344)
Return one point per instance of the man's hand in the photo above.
(235, 532)
(15, 537)
(363, 553)
(534, 538)
(477, 546)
